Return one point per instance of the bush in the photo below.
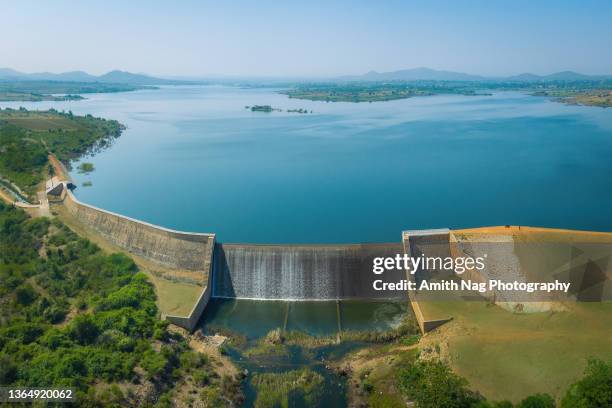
(83, 329)
(594, 390)
(8, 369)
(537, 401)
(154, 364)
(433, 384)
(25, 295)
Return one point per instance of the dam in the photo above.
(330, 272)
(344, 272)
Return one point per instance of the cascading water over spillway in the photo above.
(301, 272)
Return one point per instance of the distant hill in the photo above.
(428, 74)
(114, 77)
(557, 76)
(414, 74)
(8, 73)
(124, 77)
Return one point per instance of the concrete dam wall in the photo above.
(247, 271)
(302, 272)
(174, 249)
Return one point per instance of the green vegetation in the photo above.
(431, 383)
(268, 109)
(588, 97)
(273, 344)
(508, 356)
(288, 389)
(274, 341)
(27, 137)
(594, 390)
(587, 92)
(74, 316)
(34, 97)
(85, 168)
(375, 91)
(34, 91)
(260, 108)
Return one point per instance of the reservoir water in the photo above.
(193, 158)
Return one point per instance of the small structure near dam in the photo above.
(332, 271)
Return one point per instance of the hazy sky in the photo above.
(306, 38)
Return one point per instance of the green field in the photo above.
(175, 298)
(509, 356)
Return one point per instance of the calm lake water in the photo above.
(193, 158)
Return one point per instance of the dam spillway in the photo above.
(301, 272)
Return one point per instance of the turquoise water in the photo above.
(194, 159)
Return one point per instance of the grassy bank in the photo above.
(508, 356)
(291, 388)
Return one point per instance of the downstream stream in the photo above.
(252, 320)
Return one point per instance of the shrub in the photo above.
(537, 401)
(25, 294)
(433, 384)
(594, 390)
(83, 329)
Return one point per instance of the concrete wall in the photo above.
(301, 272)
(419, 242)
(173, 249)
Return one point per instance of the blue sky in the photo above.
(307, 38)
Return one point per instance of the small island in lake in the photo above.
(85, 168)
(261, 108)
(375, 91)
(268, 108)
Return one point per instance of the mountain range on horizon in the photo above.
(429, 74)
(412, 74)
(114, 77)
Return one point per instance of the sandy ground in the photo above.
(6, 197)
(209, 345)
(59, 169)
(539, 233)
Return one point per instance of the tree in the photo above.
(537, 401)
(431, 384)
(83, 329)
(25, 294)
(593, 390)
